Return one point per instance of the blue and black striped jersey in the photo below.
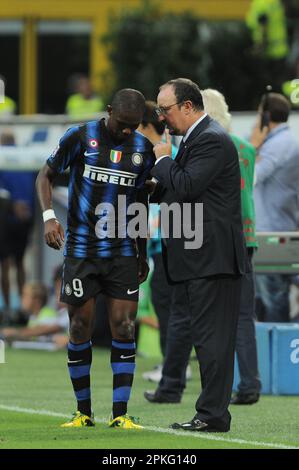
(100, 171)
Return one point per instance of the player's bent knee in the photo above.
(79, 330)
(125, 329)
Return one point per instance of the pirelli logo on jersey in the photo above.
(106, 175)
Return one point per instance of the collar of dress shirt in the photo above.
(276, 129)
(193, 127)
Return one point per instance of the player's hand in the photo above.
(163, 148)
(143, 269)
(54, 234)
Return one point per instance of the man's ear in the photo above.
(109, 109)
(188, 106)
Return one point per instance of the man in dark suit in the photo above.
(207, 278)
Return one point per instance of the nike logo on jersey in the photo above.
(130, 292)
(86, 154)
(73, 362)
(126, 357)
(105, 175)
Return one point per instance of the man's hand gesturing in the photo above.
(163, 148)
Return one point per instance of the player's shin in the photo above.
(123, 368)
(79, 363)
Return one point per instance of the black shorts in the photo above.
(84, 278)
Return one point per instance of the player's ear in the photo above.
(109, 109)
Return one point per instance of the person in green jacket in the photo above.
(267, 23)
(7, 105)
(84, 103)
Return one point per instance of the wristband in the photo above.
(48, 215)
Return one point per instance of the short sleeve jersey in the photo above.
(100, 172)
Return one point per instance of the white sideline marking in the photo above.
(208, 437)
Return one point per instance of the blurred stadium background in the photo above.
(56, 56)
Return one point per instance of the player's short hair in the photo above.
(150, 116)
(278, 107)
(186, 90)
(128, 101)
(39, 291)
(216, 106)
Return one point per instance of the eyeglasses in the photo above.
(162, 110)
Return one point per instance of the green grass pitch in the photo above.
(36, 397)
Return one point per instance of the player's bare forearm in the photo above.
(54, 234)
(38, 330)
(44, 184)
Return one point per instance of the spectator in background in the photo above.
(8, 107)
(267, 22)
(276, 195)
(45, 323)
(19, 221)
(40, 315)
(84, 103)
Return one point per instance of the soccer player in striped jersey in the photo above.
(107, 159)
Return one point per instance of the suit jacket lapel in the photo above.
(198, 129)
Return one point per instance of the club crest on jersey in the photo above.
(137, 159)
(93, 143)
(68, 289)
(115, 156)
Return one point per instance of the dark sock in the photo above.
(123, 367)
(79, 363)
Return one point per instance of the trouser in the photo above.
(161, 292)
(204, 314)
(246, 340)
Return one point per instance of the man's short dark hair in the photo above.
(150, 116)
(186, 90)
(128, 101)
(278, 107)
